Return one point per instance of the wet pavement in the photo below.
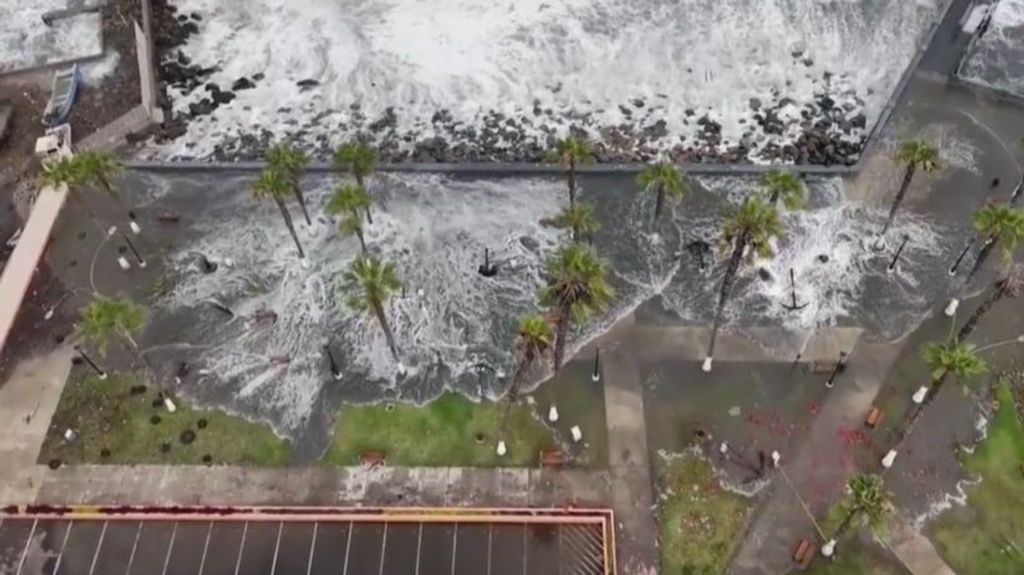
(226, 547)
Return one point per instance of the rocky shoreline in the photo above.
(830, 131)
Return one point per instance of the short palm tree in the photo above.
(369, 284)
(111, 318)
(953, 357)
(664, 179)
(274, 184)
(358, 159)
(915, 155)
(571, 152)
(84, 169)
(786, 186)
(292, 162)
(578, 219)
(1010, 284)
(998, 223)
(532, 343)
(577, 287)
(750, 225)
(348, 200)
(867, 503)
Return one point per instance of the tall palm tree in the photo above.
(532, 343)
(348, 200)
(915, 155)
(107, 318)
(571, 152)
(786, 186)
(1011, 284)
(369, 284)
(95, 169)
(358, 159)
(292, 162)
(578, 219)
(577, 287)
(954, 357)
(867, 503)
(664, 179)
(274, 184)
(999, 223)
(750, 225)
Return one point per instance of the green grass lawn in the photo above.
(701, 523)
(449, 431)
(987, 536)
(115, 424)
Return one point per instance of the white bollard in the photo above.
(828, 548)
(952, 307)
(776, 458)
(401, 368)
(553, 414)
(135, 227)
(170, 405)
(501, 450)
(889, 458)
(69, 435)
(707, 364)
(123, 263)
(724, 448)
(920, 394)
(304, 263)
(577, 433)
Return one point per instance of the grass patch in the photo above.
(987, 536)
(449, 431)
(701, 523)
(114, 424)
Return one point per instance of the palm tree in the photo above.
(357, 159)
(292, 162)
(663, 179)
(578, 219)
(785, 186)
(532, 343)
(953, 357)
(753, 224)
(577, 287)
(348, 200)
(867, 503)
(369, 285)
(915, 154)
(107, 318)
(571, 152)
(1011, 284)
(998, 223)
(86, 168)
(273, 183)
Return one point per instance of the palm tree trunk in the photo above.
(983, 254)
(774, 199)
(513, 394)
(297, 190)
(378, 310)
(730, 276)
(561, 333)
(659, 204)
(359, 232)
(907, 178)
(359, 181)
(845, 524)
(291, 227)
(994, 295)
(571, 174)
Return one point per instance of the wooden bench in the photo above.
(820, 366)
(804, 553)
(553, 458)
(874, 417)
(372, 458)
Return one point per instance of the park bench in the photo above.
(874, 417)
(804, 553)
(553, 458)
(823, 366)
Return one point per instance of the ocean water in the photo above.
(996, 58)
(589, 59)
(25, 41)
(454, 327)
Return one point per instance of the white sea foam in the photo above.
(996, 59)
(576, 57)
(25, 41)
